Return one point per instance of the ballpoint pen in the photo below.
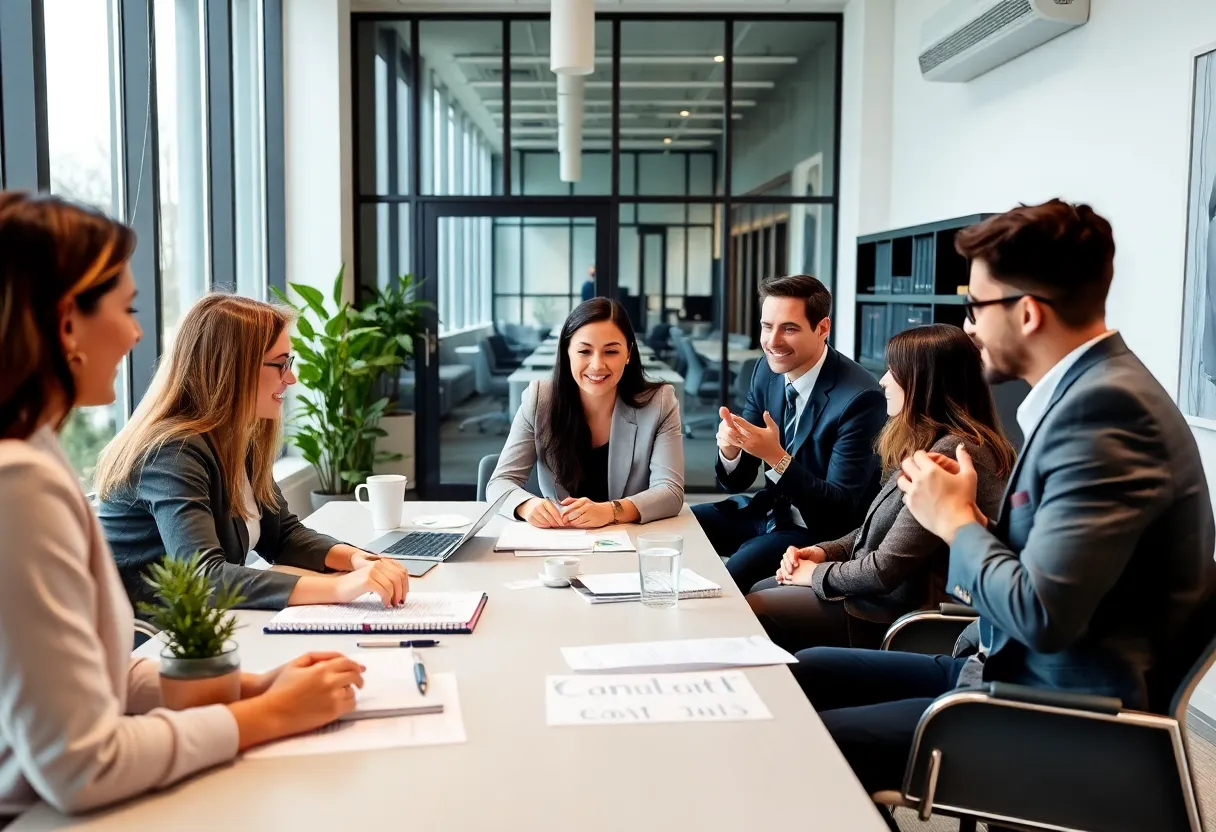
(418, 642)
(419, 672)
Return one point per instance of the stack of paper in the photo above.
(528, 541)
(389, 689)
(684, 654)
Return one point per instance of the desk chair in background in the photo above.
(701, 381)
(1034, 758)
(485, 470)
(491, 382)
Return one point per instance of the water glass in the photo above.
(659, 569)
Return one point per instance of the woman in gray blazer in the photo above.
(846, 592)
(607, 443)
(191, 471)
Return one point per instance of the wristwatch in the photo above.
(783, 463)
(616, 511)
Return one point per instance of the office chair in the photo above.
(485, 470)
(1092, 764)
(504, 355)
(492, 382)
(928, 632)
(743, 384)
(700, 381)
(659, 340)
(143, 632)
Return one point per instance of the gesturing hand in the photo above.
(761, 442)
(941, 501)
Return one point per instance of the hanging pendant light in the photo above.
(572, 37)
(570, 96)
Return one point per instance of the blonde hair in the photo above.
(207, 384)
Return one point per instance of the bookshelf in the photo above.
(911, 277)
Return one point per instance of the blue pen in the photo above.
(419, 672)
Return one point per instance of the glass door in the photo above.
(502, 277)
(652, 276)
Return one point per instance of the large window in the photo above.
(124, 77)
(710, 141)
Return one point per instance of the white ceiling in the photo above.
(685, 6)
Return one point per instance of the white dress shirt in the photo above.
(1032, 408)
(254, 523)
(804, 385)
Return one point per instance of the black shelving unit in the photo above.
(911, 277)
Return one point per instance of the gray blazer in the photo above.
(646, 455)
(178, 505)
(892, 565)
(1102, 549)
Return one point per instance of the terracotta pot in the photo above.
(189, 683)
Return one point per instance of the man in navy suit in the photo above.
(811, 417)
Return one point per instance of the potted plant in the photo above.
(200, 664)
(340, 359)
(398, 312)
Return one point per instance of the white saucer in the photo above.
(441, 521)
(555, 583)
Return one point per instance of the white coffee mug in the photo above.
(385, 496)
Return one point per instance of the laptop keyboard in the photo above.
(422, 545)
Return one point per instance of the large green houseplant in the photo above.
(340, 360)
(399, 313)
(200, 664)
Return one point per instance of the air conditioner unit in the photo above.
(969, 37)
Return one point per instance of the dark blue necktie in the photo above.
(791, 416)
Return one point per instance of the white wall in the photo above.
(1100, 115)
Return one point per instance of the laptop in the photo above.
(431, 547)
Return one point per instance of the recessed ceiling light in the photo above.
(667, 140)
(719, 59)
(684, 113)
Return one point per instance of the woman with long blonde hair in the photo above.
(846, 592)
(80, 720)
(191, 471)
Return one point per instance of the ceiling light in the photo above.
(684, 114)
(572, 37)
(667, 140)
(719, 59)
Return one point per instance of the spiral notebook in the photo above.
(424, 612)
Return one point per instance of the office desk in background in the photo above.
(515, 772)
(711, 351)
(521, 378)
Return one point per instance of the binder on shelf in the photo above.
(882, 267)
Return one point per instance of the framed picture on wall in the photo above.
(1197, 368)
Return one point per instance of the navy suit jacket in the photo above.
(834, 475)
(1103, 547)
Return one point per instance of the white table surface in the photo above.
(514, 772)
(521, 378)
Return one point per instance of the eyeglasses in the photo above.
(282, 366)
(970, 304)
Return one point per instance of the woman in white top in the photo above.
(80, 722)
(191, 470)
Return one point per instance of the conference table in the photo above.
(711, 350)
(519, 380)
(514, 771)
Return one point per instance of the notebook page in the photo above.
(628, 583)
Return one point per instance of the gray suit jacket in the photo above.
(178, 505)
(892, 565)
(646, 455)
(1103, 547)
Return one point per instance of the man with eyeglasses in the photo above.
(1103, 546)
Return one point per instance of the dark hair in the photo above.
(1063, 252)
(566, 434)
(942, 376)
(816, 296)
(52, 253)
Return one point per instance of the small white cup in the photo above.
(385, 497)
(557, 569)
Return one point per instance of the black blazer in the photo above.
(178, 505)
(1103, 546)
(834, 474)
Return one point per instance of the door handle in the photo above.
(430, 344)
